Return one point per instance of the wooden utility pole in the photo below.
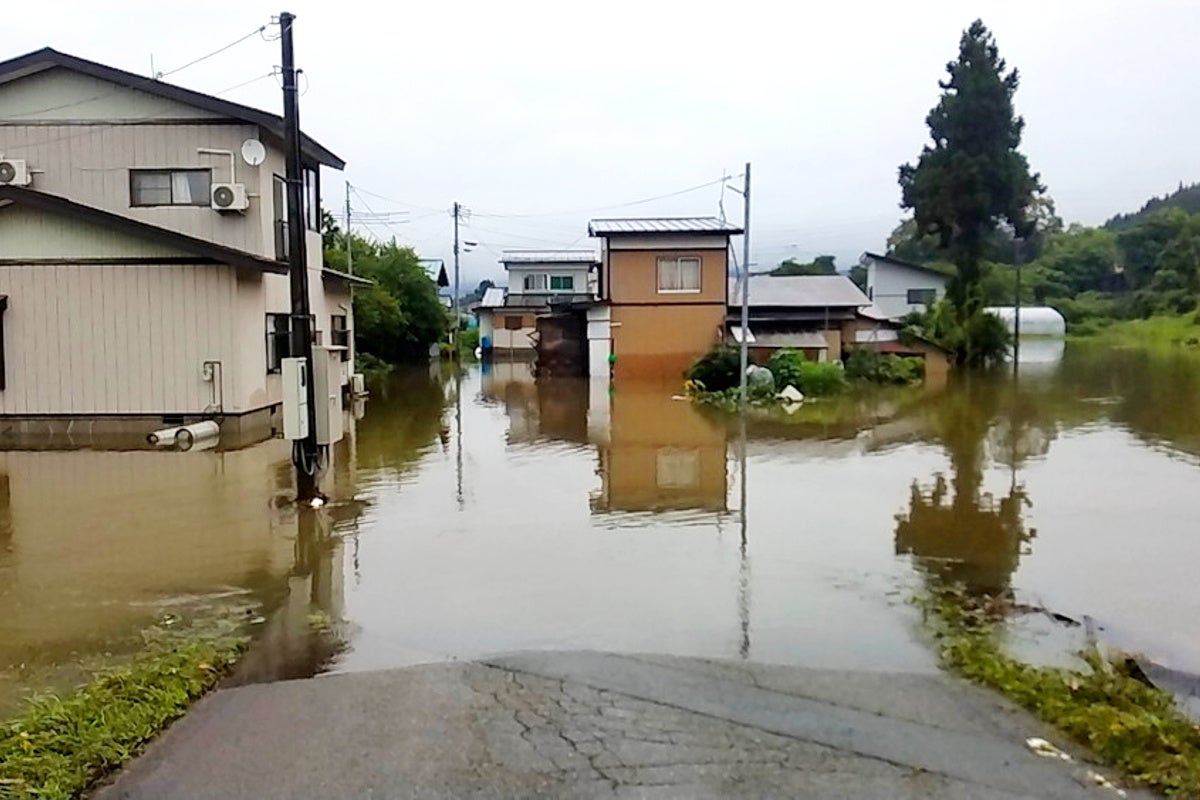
(454, 302)
(304, 451)
(744, 357)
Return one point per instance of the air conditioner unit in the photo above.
(13, 172)
(229, 197)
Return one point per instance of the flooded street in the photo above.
(491, 513)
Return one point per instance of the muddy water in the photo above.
(487, 512)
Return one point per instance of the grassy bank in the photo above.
(1127, 723)
(60, 746)
(1157, 331)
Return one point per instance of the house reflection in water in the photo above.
(653, 453)
(97, 545)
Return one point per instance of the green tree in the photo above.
(972, 178)
(398, 317)
(821, 265)
(858, 274)
(1080, 259)
(1142, 245)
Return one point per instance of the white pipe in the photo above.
(163, 438)
(188, 435)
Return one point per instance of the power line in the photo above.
(145, 81)
(643, 200)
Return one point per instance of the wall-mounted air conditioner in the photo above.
(229, 197)
(14, 172)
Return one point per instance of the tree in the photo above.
(1080, 259)
(858, 275)
(972, 178)
(1144, 243)
(821, 265)
(398, 317)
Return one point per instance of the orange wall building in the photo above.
(665, 282)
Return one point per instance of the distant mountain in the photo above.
(1185, 197)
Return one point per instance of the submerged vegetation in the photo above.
(61, 746)
(1126, 722)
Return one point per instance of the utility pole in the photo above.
(744, 358)
(454, 302)
(349, 254)
(304, 454)
(1017, 247)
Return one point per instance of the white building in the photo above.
(897, 287)
(143, 253)
(538, 281)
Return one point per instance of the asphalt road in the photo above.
(584, 725)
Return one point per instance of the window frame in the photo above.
(274, 336)
(533, 276)
(677, 262)
(205, 201)
(569, 279)
(924, 293)
(339, 333)
(280, 219)
(514, 322)
(311, 195)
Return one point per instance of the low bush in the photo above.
(813, 378)
(717, 370)
(887, 368)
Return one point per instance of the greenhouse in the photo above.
(1035, 320)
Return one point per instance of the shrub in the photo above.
(869, 365)
(717, 370)
(810, 377)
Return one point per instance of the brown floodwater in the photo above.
(487, 512)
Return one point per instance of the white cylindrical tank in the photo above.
(1035, 320)
(187, 436)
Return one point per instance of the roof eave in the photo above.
(48, 58)
(219, 253)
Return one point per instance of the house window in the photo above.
(278, 340)
(281, 216)
(170, 187)
(339, 334)
(563, 283)
(513, 323)
(922, 297)
(312, 199)
(3, 308)
(678, 275)
(535, 283)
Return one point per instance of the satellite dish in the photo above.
(253, 152)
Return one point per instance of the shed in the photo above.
(1035, 320)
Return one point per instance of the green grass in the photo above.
(60, 746)
(1177, 331)
(1126, 723)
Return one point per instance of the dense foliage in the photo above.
(717, 370)
(821, 265)
(972, 178)
(1185, 198)
(400, 316)
(887, 368)
(813, 378)
(981, 340)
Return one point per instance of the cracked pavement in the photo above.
(583, 724)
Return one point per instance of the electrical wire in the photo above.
(722, 179)
(145, 81)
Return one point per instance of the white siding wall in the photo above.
(517, 273)
(125, 339)
(888, 285)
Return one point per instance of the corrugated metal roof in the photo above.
(800, 291)
(549, 257)
(652, 225)
(493, 298)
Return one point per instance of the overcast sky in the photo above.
(534, 113)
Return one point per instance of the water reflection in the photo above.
(95, 546)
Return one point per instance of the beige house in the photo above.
(538, 281)
(143, 274)
(664, 282)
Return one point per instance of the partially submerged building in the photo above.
(814, 314)
(539, 281)
(897, 287)
(663, 289)
(143, 253)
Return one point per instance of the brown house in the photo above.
(665, 283)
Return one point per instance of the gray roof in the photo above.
(549, 257)
(493, 297)
(653, 225)
(46, 58)
(869, 256)
(800, 291)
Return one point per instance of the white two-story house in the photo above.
(898, 287)
(538, 281)
(143, 274)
